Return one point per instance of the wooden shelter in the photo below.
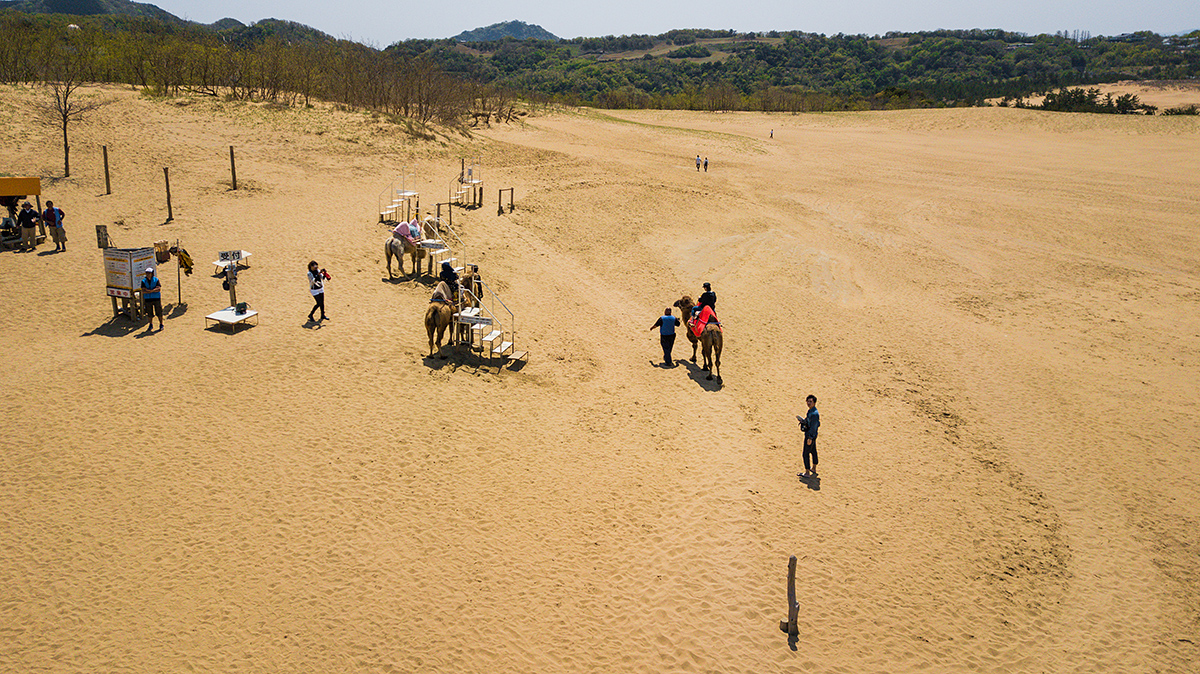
(12, 191)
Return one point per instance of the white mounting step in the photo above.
(517, 355)
(491, 336)
(470, 311)
(459, 269)
(478, 327)
(500, 350)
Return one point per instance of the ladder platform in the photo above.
(432, 243)
(517, 355)
(491, 336)
(502, 349)
(469, 311)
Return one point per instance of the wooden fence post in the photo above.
(232, 167)
(167, 178)
(107, 184)
(789, 625)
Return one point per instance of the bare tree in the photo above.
(67, 69)
(65, 106)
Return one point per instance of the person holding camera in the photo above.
(809, 423)
(316, 285)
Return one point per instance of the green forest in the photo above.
(452, 82)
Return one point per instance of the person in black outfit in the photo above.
(809, 424)
(28, 222)
(708, 297)
(666, 325)
(316, 286)
(449, 276)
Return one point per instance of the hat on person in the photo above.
(707, 286)
(149, 270)
(27, 205)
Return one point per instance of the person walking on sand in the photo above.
(27, 220)
(706, 164)
(152, 298)
(772, 133)
(809, 423)
(666, 325)
(316, 286)
(697, 162)
(53, 218)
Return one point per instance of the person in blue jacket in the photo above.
(809, 424)
(152, 298)
(666, 325)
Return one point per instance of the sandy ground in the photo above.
(999, 310)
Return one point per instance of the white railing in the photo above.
(488, 307)
(394, 201)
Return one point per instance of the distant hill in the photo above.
(226, 24)
(91, 8)
(498, 31)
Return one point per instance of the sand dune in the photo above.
(997, 309)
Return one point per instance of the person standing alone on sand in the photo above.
(53, 217)
(809, 423)
(666, 334)
(316, 286)
(152, 298)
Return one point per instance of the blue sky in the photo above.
(382, 23)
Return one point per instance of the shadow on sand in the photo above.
(700, 376)
(813, 482)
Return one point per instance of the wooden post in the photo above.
(167, 178)
(789, 626)
(178, 276)
(232, 167)
(107, 184)
(499, 202)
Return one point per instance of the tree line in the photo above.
(445, 82)
(271, 61)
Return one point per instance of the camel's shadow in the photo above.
(700, 376)
(427, 280)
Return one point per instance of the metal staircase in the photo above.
(435, 235)
(399, 200)
(492, 322)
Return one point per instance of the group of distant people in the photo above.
(704, 312)
(28, 219)
(698, 163)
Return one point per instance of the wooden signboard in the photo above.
(102, 240)
(123, 269)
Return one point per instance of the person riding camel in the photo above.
(447, 287)
(408, 231)
(707, 298)
(449, 276)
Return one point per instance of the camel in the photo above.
(437, 317)
(711, 339)
(685, 304)
(397, 248)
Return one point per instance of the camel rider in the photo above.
(409, 231)
(708, 297)
(449, 276)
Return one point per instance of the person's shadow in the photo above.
(813, 482)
